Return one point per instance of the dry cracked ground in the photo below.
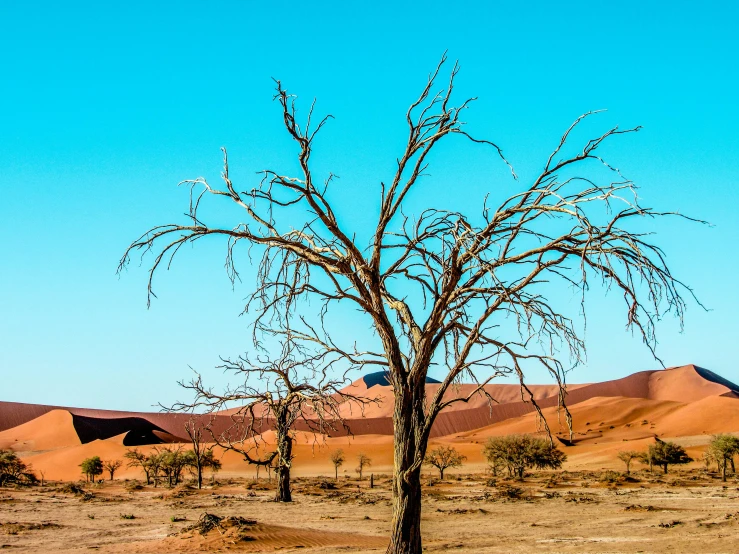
(687, 511)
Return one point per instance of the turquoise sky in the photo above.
(104, 109)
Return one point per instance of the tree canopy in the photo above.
(91, 467)
(520, 452)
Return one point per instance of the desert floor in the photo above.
(684, 511)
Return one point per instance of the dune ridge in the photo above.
(31, 427)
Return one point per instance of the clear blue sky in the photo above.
(104, 108)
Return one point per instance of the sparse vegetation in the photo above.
(519, 452)
(362, 461)
(665, 454)
(202, 455)
(169, 462)
(173, 461)
(444, 457)
(722, 449)
(13, 469)
(337, 459)
(275, 392)
(136, 458)
(91, 467)
(697, 496)
(111, 466)
(628, 456)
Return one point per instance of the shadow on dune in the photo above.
(138, 431)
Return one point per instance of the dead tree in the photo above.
(463, 291)
(275, 393)
(337, 459)
(111, 466)
(362, 461)
(627, 456)
(202, 453)
(444, 457)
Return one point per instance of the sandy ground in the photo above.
(685, 511)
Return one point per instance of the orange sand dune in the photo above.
(600, 420)
(685, 401)
(707, 416)
(63, 463)
(683, 384)
(51, 430)
(615, 411)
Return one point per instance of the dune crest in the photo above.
(685, 401)
(51, 430)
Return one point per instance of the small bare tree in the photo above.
(362, 461)
(443, 458)
(203, 454)
(628, 456)
(275, 393)
(338, 459)
(111, 466)
(462, 291)
(136, 458)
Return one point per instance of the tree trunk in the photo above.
(441, 473)
(199, 468)
(336, 468)
(664, 466)
(409, 448)
(723, 471)
(284, 459)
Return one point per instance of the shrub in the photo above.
(519, 452)
(664, 454)
(13, 470)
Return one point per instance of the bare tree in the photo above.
(172, 461)
(627, 456)
(111, 466)
(136, 458)
(443, 458)
(203, 454)
(462, 291)
(275, 393)
(362, 461)
(337, 458)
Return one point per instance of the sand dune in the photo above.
(623, 413)
(683, 384)
(53, 429)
